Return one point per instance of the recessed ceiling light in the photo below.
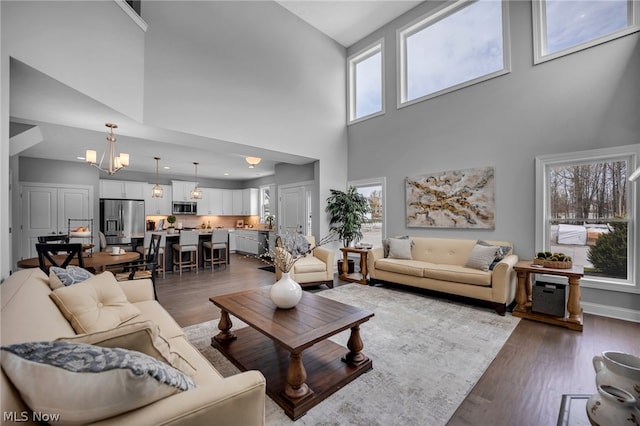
(81, 158)
(226, 173)
(166, 167)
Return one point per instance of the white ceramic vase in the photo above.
(619, 369)
(612, 406)
(286, 293)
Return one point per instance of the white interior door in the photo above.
(39, 216)
(73, 203)
(292, 210)
(46, 210)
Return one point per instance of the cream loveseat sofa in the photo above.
(29, 314)
(447, 265)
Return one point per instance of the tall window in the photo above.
(373, 231)
(266, 208)
(457, 46)
(566, 26)
(588, 212)
(366, 93)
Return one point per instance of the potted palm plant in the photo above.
(347, 212)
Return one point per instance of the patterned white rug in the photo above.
(427, 355)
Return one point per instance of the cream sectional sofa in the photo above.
(440, 264)
(29, 314)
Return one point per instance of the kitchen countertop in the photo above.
(209, 231)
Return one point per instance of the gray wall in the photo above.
(587, 100)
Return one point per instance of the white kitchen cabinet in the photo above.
(181, 190)
(211, 203)
(233, 246)
(251, 241)
(250, 202)
(237, 202)
(122, 189)
(158, 206)
(227, 202)
(247, 241)
(245, 202)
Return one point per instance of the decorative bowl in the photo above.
(555, 264)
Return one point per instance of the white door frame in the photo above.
(305, 187)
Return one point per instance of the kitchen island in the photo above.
(249, 241)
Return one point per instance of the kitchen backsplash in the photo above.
(189, 221)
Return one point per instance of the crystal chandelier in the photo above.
(196, 192)
(157, 191)
(116, 162)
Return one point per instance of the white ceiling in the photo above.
(348, 21)
(71, 122)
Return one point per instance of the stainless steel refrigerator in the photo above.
(120, 220)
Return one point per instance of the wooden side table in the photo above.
(573, 320)
(356, 277)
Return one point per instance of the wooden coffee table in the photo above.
(303, 367)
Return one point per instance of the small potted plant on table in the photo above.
(171, 219)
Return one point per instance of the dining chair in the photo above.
(58, 255)
(188, 243)
(144, 250)
(147, 267)
(216, 251)
(50, 239)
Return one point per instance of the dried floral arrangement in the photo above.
(292, 247)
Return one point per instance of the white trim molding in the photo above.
(132, 14)
(611, 311)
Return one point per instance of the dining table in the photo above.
(94, 262)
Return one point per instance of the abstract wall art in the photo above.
(452, 199)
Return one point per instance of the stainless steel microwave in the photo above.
(185, 207)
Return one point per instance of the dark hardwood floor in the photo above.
(522, 386)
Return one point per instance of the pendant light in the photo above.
(157, 191)
(196, 192)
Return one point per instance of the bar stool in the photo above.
(212, 250)
(144, 249)
(188, 243)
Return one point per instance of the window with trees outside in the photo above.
(460, 44)
(374, 230)
(562, 27)
(366, 87)
(587, 211)
(265, 202)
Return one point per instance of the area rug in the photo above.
(427, 355)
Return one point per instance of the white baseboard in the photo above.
(611, 311)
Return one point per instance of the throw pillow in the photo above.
(95, 304)
(385, 243)
(503, 251)
(60, 277)
(399, 248)
(142, 337)
(481, 257)
(85, 383)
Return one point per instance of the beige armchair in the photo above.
(316, 268)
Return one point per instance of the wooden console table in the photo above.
(356, 277)
(573, 320)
